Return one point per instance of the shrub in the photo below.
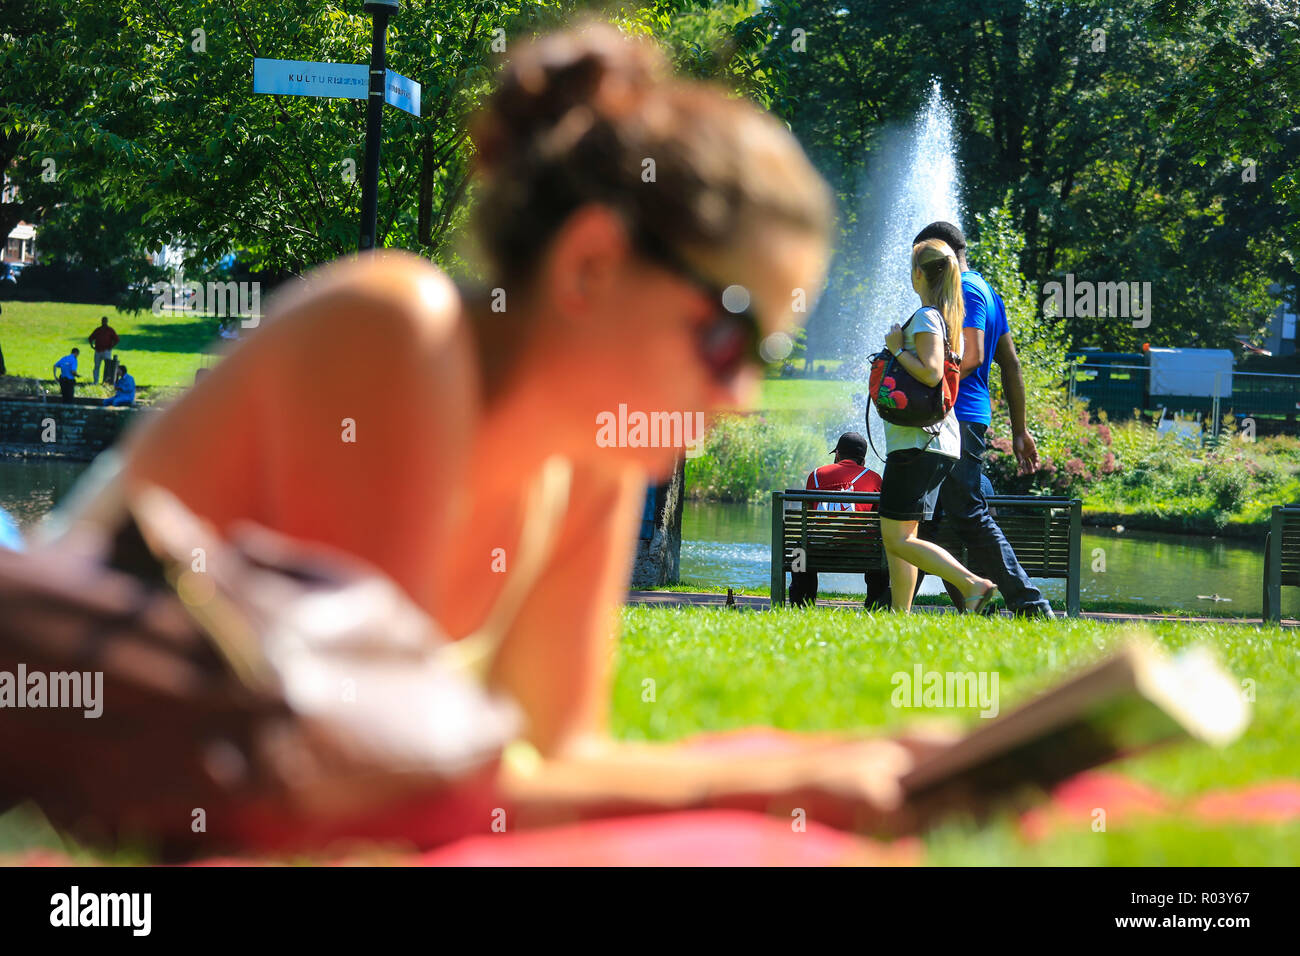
(1073, 453)
(745, 458)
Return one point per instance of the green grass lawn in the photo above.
(1096, 606)
(162, 351)
(806, 400)
(830, 669)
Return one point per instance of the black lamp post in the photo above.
(380, 11)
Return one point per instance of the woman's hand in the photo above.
(894, 338)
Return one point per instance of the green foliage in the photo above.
(1235, 104)
(1072, 455)
(1128, 468)
(1103, 184)
(147, 109)
(1040, 341)
(747, 458)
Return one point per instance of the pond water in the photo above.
(730, 545)
(31, 487)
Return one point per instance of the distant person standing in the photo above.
(2, 352)
(987, 339)
(65, 372)
(848, 473)
(103, 340)
(124, 394)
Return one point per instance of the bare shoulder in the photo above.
(389, 290)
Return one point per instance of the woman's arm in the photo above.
(926, 363)
(555, 660)
(842, 780)
(557, 663)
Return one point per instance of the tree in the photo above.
(169, 122)
(38, 81)
(1055, 103)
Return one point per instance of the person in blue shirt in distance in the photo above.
(124, 393)
(65, 372)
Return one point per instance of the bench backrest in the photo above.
(1286, 524)
(1037, 528)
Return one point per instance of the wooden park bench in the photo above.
(1281, 559)
(1046, 534)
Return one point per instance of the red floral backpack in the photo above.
(901, 400)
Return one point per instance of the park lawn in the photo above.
(806, 400)
(162, 351)
(1097, 605)
(829, 669)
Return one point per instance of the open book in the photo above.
(1135, 700)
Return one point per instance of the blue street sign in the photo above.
(347, 80)
(304, 78)
(402, 92)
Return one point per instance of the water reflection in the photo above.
(30, 487)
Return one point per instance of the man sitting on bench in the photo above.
(849, 473)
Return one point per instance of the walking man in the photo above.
(987, 338)
(65, 371)
(103, 340)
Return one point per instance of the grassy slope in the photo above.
(806, 401)
(161, 351)
(830, 669)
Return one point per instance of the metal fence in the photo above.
(1271, 400)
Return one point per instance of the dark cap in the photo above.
(945, 231)
(851, 445)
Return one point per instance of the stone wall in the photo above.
(51, 429)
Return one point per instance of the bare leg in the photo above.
(902, 580)
(907, 552)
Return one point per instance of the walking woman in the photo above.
(918, 459)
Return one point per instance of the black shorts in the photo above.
(909, 489)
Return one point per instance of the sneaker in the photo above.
(1034, 610)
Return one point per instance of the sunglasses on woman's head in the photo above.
(729, 340)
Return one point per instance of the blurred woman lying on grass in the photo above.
(609, 286)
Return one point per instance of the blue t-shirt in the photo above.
(67, 366)
(984, 310)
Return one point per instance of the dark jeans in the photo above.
(803, 588)
(961, 498)
(66, 386)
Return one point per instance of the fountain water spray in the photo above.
(912, 182)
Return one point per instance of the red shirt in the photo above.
(103, 338)
(844, 475)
